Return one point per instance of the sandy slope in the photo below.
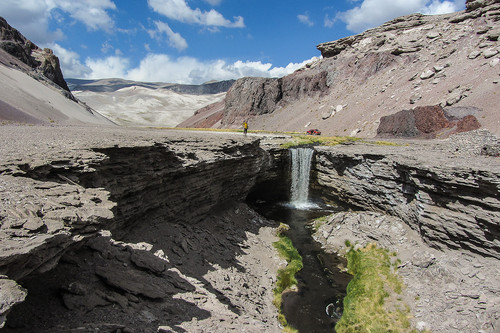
(144, 106)
(25, 99)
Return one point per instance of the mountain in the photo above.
(144, 103)
(111, 85)
(32, 86)
(446, 64)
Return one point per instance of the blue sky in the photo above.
(194, 41)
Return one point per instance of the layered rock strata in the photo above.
(57, 194)
(452, 202)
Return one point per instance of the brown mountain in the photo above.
(450, 61)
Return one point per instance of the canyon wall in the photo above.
(56, 198)
(451, 201)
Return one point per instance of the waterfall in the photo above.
(301, 169)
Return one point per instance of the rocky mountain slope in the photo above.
(32, 87)
(144, 103)
(416, 60)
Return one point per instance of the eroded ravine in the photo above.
(316, 303)
(57, 198)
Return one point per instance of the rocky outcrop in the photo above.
(428, 122)
(475, 4)
(42, 61)
(449, 202)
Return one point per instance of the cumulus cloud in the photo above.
(304, 18)
(180, 11)
(214, 2)
(110, 67)
(371, 13)
(32, 17)
(185, 70)
(92, 13)
(174, 39)
(70, 62)
(188, 70)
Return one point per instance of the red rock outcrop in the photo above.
(425, 122)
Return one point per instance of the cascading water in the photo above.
(301, 170)
(315, 305)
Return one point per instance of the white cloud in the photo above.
(180, 11)
(110, 67)
(329, 22)
(174, 39)
(438, 7)
(214, 2)
(32, 17)
(186, 70)
(304, 18)
(371, 13)
(70, 62)
(92, 13)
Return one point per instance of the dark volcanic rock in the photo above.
(42, 61)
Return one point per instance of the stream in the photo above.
(316, 305)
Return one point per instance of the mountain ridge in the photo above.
(114, 84)
(415, 60)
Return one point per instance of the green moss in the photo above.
(370, 304)
(286, 276)
(300, 140)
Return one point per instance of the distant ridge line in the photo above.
(111, 85)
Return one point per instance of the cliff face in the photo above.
(449, 202)
(55, 198)
(42, 61)
(415, 60)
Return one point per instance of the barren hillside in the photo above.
(416, 60)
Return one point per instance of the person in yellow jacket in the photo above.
(245, 127)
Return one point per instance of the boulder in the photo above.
(429, 122)
(427, 74)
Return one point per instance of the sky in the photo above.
(195, 41)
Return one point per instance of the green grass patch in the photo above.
(373, 303)
(286, 276)
(300, 140)
(384, 143)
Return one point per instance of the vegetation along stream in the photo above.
(316, 304)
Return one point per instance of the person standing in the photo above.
(245, 127)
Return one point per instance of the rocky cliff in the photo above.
(41, 61)
(411, 61)
(53, 202)
(451, 201)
